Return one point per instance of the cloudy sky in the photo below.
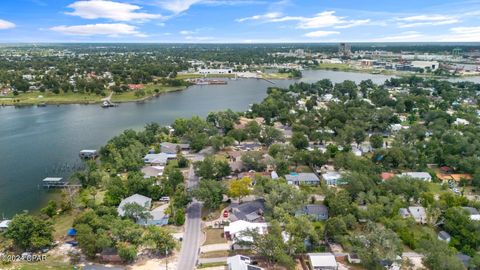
(239, 21)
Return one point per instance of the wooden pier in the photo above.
(57, 182)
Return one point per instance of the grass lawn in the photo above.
(329, 66)
(62, 223)
(149, 91)
(208, 215)
(225, 253)
(276, 76)
(214, 236)
(54, 263)
(32, 98)
(215, 254)
(209, 265)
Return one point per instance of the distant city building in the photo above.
(344, 50)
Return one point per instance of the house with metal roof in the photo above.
(173, 148)
(472, 212)
(136, 198)
(315, 211)
(418, 213)
(425, 176)
(332, 178)
(322, 261)
(444, 236)
(158, 159)
(152, 171)
(240, 262)
(235, 231)
(302, 178)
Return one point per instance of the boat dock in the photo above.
(56, 182)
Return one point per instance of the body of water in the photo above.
(39, 142)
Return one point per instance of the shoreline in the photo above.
(78, 101)
(396, 73)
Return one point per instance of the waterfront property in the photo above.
(88, 154)
(4, 225)
(52, 182)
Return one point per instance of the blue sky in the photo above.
(239, 21)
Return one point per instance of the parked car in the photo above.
(165, 199)
(225, 214)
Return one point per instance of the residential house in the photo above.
(461, 122)
(444, 236)
(240, 262)
(249, 146)
(173, 148)
(152, 171)
(234, 231)
(386, 175)
(473, 213)
(158, 159)
(404, 212)
(425, 176)
(158, 217)
(315, 211)
(136, 198)
(418, 213)
(302, 178)
(322, 261)
(332, 178)
(251, 211)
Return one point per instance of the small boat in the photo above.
(43, 104)
(108, 104)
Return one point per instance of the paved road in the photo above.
(193, 225)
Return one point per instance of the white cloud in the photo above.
(463, 34)
(354, 23)
(267, 16)
(186, 32)
(6, 24)
(318, 34)
(107, 29)
(320, 20)
(402, 37)
(178, 6)
(116, 11)
(323, 19)
(426, 20)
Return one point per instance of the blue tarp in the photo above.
(72, 232)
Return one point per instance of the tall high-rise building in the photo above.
(344, 50)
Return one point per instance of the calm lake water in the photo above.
(39, 142)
